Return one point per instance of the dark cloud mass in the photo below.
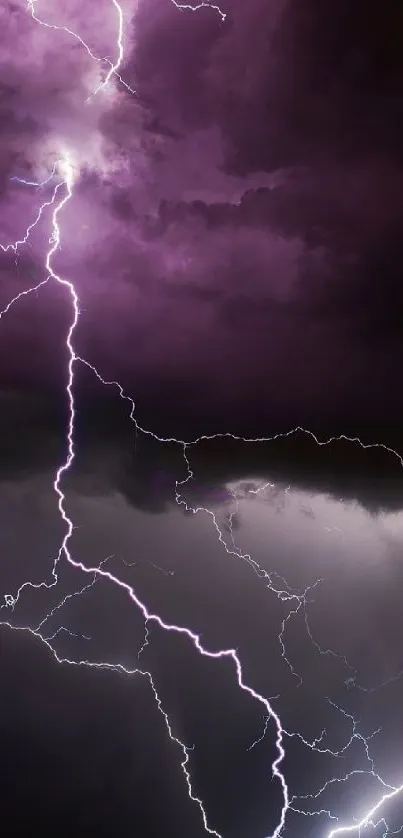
(245, 207)
(234, 236)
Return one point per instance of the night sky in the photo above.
(201, 445)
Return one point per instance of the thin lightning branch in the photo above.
(355, 736)
(367, 819)
(34, 182)
(113, 70)
(15, 245)
(149, 564)
(189, 8)
(263, 735)
(23, 294)
(113, 67)
(68, 597)
(329, 652)
(104, 665)
(66, 631)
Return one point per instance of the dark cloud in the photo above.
(112, 456)
(241, 207)
(76, 758)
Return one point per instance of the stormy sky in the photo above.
(232, 231)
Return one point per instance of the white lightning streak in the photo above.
(16, 244)
(111, 667)
(34, 182)
(113, 67)
(23, 294)
(189, 8)
(366, 820)
(67, 171)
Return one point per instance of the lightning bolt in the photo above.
(17, 244)
(63, 192)
(366, 821)
(190, 8)
(34, 182)
(113, 66)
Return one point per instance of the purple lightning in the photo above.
(189, 7)
(66, 171)
(113, 66)
(149, 617)
(62, 194)
(16, 244)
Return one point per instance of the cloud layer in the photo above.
(235, 230)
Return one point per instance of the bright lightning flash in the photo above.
(67, 171)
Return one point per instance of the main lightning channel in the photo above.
(98, 571)
(67, 172)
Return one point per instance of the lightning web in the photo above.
(308, 805)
